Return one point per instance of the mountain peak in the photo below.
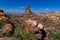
(27, 10)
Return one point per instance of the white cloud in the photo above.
(19, 9)
(47, 9)
(12, 10)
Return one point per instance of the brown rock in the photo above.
(3, 16)
(30, 24)
(7, 27)
(27, 10)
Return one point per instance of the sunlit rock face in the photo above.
(40, 26)
(54, 17)
(7, 27)
(27, 10)
(30, 24)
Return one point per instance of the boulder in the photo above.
(7, 27)
(30, 24)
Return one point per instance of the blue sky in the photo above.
(37, 6)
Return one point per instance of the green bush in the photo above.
(21, 34)
(1, 24)
(54, 36)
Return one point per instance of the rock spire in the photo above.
(27, 10)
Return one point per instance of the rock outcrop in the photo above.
(30, 24)
(27, 10)
(7, 27)
(3, 16)
(7, 24)
(38, 28)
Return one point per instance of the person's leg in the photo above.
(43, 34)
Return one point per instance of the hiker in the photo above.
(36, 27)
(43, 32)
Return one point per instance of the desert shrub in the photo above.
(54, 36)
(1, 24)
(21, 34)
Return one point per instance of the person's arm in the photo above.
(36, 29)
